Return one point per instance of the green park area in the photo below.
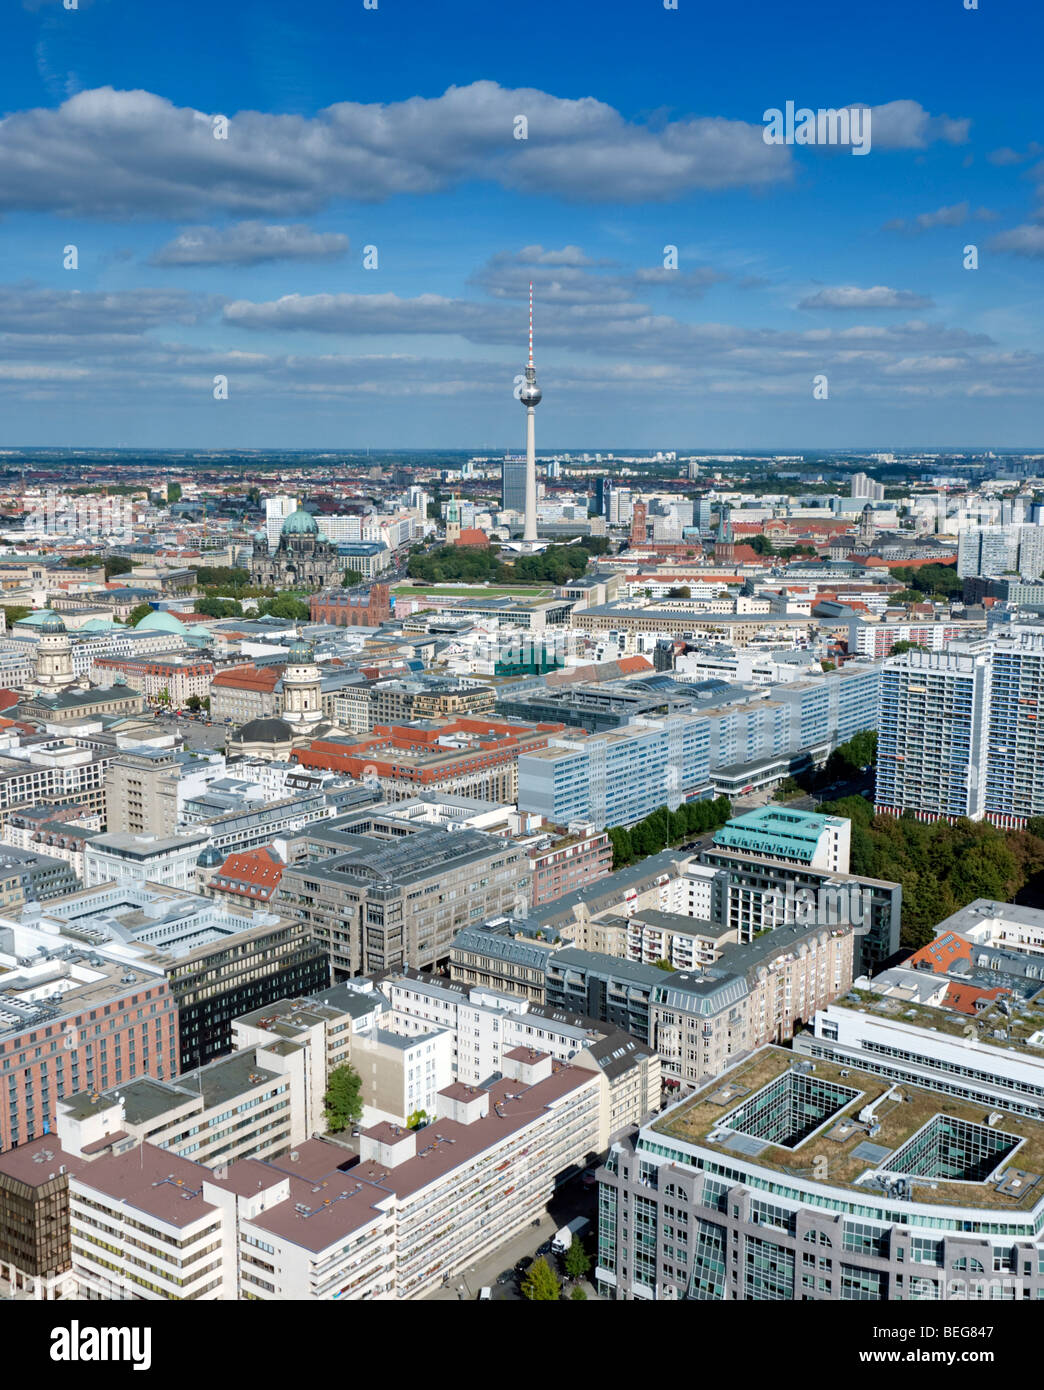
(521, 591)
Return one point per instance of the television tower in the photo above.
(530, 397)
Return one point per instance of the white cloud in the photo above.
(109, 153)
(856, 297)
(1026, 240)
(250, 243)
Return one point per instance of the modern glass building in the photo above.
(788, 1180)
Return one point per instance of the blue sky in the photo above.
(394, 128)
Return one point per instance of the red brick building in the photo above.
(352, 607)
(106, 1030)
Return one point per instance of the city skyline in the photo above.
(351, 128)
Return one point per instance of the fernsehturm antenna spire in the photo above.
(530, 398)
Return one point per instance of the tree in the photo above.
(343, 1099)
(222, 577)
(664, 965)
(417, 1120)
(679, 591)
(541, 1284)
(829, 665)
(578, 1293)
(141, 610)
(219, 607)
(173, 493)
(577, 1260)
(351, 578)
(193, 702)
(163, 698)
(903, 646)
(623, 851)
(15, 612)
(284, 606)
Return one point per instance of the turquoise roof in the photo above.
(160, 621)
(776, 832)
(98, 625)
(300, 523)
(42, 618)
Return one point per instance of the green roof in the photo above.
(300, 523)
(160, 621)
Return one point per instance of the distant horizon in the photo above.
(859, 452)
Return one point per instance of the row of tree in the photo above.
(941, 867)
(666, 827)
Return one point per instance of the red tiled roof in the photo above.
(252, 874)
(249, 678)
(941, 953)
(966, 998)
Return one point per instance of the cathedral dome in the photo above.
(160, 620)
(265, 731)
(50, 622)
(301, 653)
(300, 523)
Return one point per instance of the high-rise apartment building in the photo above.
(959, 731)
(931, 738)
(513, 483)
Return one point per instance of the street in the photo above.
(498, 1271)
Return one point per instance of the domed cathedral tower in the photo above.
(302, 697)
(303, 559)
(54, 662)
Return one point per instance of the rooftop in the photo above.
(835, 1145)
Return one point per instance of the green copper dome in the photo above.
(300, 523)
(50, 622)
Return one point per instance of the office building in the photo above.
(140, 859)
(618, 777)
(379, 893)
(513, 483)
(789, 1180)
(400, 1218)
(220, 961)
